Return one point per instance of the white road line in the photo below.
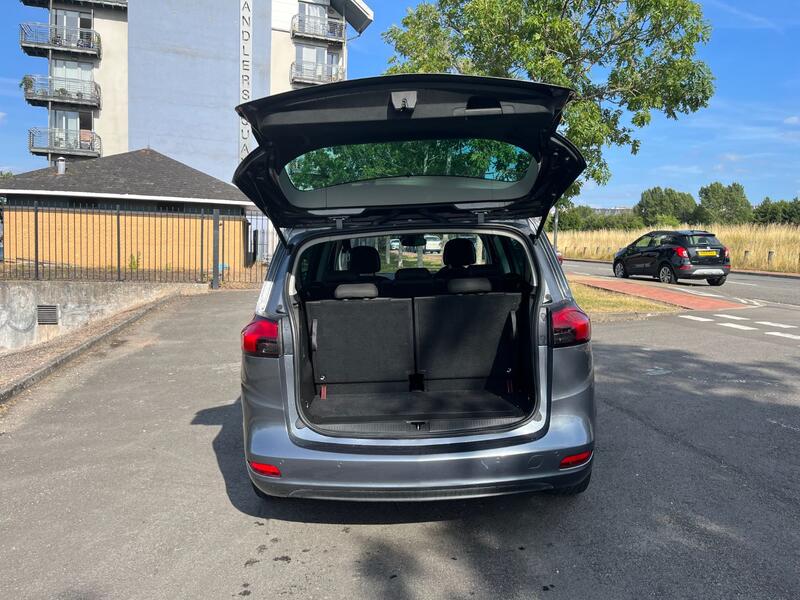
(784, 425)
(702, 294)
(733, 317)
(737, 326)
(778, 325)
(693, 318)
(790, 336)
(582, 273)
(740, 283)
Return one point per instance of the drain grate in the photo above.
(47, 314)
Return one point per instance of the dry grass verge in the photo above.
(596, 301)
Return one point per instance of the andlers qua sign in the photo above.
(245, 71)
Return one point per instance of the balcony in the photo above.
(123, 4)
(37, 39)
(72, 142)
(320, 28)
(40, 89)
(312, 72)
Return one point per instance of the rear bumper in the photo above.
(702, 271)
(527, 466)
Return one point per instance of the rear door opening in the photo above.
(400, 342)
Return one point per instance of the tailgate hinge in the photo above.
(481, 214)
(339, 221)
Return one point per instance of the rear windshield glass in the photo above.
(702, 240)
(475, 158)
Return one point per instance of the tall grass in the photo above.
(749, 245)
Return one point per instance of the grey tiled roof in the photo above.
(139, 173)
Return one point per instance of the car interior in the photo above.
(398, 342)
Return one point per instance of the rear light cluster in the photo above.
(575, 460)
(261, 337)
(265, 469)
(682, 252)
(570, 326)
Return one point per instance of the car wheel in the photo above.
(666, 274)
(716, 280)
(619, 270)
(572, 490)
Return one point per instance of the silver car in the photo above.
(374, 372)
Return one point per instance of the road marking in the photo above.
(784, 425)
(693, 318)
(703, 294)
(582, 273)
(737, 326)
(740, 283)
(734, 317)
(790, 336)
(778, 325)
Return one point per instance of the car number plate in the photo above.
(706, 253)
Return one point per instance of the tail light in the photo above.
(727, 252)
(261, 337)
(681, 251)
(265, 469)
(575, 460)
(570, 326)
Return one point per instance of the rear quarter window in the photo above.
(702, 240)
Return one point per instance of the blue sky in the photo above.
(750, 133)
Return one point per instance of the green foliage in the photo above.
(780, 211)
(725, 204)
(584, 218)
(659, 206)
(133, 262)
(6, 174)
(623, 59)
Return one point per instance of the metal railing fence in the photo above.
(85, 241)
(59, 37)
(319, 27)
(80, 141)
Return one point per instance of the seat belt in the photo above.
(314, 335)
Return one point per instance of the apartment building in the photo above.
(166, 74)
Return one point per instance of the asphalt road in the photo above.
(758, 289)
(122, 477)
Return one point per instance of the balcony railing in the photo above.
(312, 72)
(40, 89)
(37, 38)
(76, 142)
(318, 27)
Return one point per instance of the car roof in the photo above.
(682, 232)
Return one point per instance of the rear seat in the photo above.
(469, 333)
(416, 281)
(360, 338)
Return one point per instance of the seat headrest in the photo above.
(459, 252)
(412, 273)
(364, 259)
(355, 290)
(485, 270)
(469, 285)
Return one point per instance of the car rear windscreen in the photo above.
(475, 158)
(702, 240)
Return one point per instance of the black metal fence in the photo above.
(67, 240)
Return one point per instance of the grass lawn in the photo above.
(596, 301)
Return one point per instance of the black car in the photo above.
(672, 255)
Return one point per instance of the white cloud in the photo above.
(680, 169)
(793, 120)
(732, 157)
(3, 117)
(746, 18)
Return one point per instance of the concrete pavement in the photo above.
(740, 287)
(123, 477)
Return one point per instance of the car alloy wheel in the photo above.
(665, 274)
(619, 270)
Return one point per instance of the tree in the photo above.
(6, 174)
(657, 206)
(624, 59)
(779, 211)
(723, 204)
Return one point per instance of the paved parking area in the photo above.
(122, 477)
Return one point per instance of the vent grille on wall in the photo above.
(47, 314)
